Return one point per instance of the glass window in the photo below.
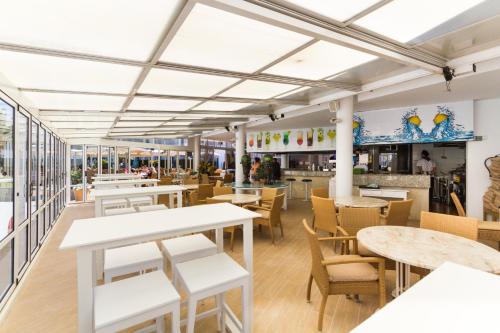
(123, 166)
(34, 167)
(21, 177)
(52, 166)
(6, 268)
(22, 248)
(182, 160)
(76, 172)
(111, 159)
(6, 174)
(104, 159)
(41, 225)
(173, 159)
(41, 176)
(48, 165)
(91, 171)
(34, 233)
(47, 219)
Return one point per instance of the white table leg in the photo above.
(285, 202)
(98, 207)
(85, 282)
(179, 199)
(219, 239)
(171, 200)
(248, 257)
(402, 278)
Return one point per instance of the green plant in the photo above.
(205, 167)
(246, 163)
(76, 176)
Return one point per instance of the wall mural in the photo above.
(420, 124)
(302, 139)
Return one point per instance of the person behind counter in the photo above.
(255, 166)
(425, 165)
(276, 170)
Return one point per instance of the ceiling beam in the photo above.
(288, 18)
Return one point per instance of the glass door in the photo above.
(34, 173)
(105, 159)
(123, 160)
(41, 183)
(112, 156)
(91, 169)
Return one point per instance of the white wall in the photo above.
(486, 124)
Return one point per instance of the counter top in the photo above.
(393, 180)
(307, 173)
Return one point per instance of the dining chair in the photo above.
(205, 191)
(165, 181)
(352, 220)
(321, 192)
(271, 217)
(190, 180)
(204, 179)
(219, 183)
(458, 204)
(325, 216)
(228, 178)
(397, 213)
(343, 274)
(222, 190)
(466, 227)
(193, 198)
(231, 230)
(267, 196)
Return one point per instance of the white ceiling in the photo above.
(155, 64)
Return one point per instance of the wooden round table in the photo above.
(426, 248)
(360, 202)
(238, 199)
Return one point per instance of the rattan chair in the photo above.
(219, 183)
(353, 220)
(321, 192)
(190, 180)
(267, 196)
(458, 204)
(271, 217)
(205, 191)
(344, 274)
(222, 190)
(228, 178)
(165, 181)
(193, 198)
(466, 227)
(205, 179)
(397, 213)
(230, 230)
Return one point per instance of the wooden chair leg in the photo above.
(272, 232)
(281, 228)
(313, 228)
(322, 312)
(309, 286)
(232, 239)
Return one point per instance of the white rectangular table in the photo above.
(121, 183)
(452, 298)
(91, 235)
(116, 176)
(121, 193)
(384, 193)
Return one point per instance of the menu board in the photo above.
(302, 139)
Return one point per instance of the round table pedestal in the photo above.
(402, 279)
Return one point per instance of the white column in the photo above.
(196, 152)
(284, 161)
(239, 151)
(343, 176)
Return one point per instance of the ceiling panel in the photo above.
(128, 129)
(64, 131)
(107, 28)
(320, 60)
(127, 133)
(168, 82)
(85, 125)
(221, 106)
(258, 89)
(403, 20)
(161, 104)
(54, 73)
(205, 39)
(139, 124)
(79, 118)
(84, 135)
(139, 118)
(74, 101)
(339, 10)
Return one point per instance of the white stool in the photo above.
(118, 211)
(213, 276)
(186, 248)
(131, 259)
(150, 208)
(128, 302)
(140, 201)
(114, 203)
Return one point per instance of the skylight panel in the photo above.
(340, 10)
(127, 133)
(79, 118)
(78, 124)
(161, 104)
(221, 106)
(292, 92)
(178, 123)
(84, 135)
(258, 89)
(130, 129)
(320, 60)
(56, 73)
(139, 124)
(404, 20)
(168, 82)
(214, 38)
(125, 29)
(55, 101)
(139, 118)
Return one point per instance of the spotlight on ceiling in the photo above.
(282, 115)
(272, 116)
(334, 106)
(227, 128)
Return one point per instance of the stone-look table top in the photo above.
(238, 199)
(190, 187)
(428, 248)
(359, 202)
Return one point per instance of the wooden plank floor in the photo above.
(47, 300)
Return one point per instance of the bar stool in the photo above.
(113, 203)
(118, 211)
(128, 302)
(290, 186)
(186, 248)
(131, 259)
(151, 208)
(213, 276)
(140, 201)
(306, 182)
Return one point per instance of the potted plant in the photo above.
(267, 165)
(246, 163)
